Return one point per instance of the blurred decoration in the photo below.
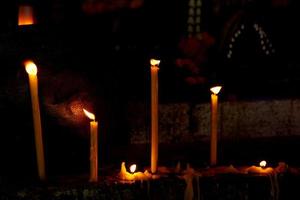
(194, 56)
(194, 18)
(264, 41)
(280, 3)
(222, 6)
(102, 6)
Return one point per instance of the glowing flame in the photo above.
(154, 62)
(216, 89)
(30, 68)
(132, 168)
(89, 114)
(263, 163)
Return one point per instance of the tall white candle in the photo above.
(214, 124)
(31, 69)
(93, 146)
(154, 114)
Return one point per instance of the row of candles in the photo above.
(31, 69)
(26, 17)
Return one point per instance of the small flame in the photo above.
(132, 168)
(89, 114)
(30, 67)
(216, 89)
(263, 163)
(154, 62)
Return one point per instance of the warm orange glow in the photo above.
(263, 163)
(132, 168)
(30, 67)
(216, 89)
(154, 62)
(133, 176)
(89, 114)
(25, 15)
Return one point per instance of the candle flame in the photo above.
(154, 62)
(263, 163)
(30, 67)
(216, 89)
(132, 168)
(89, 114)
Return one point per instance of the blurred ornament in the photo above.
(99, 6)
(195, 54)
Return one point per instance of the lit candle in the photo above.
(25, 15)
(132, 175)
(154, 114)
(263, 164)
(214, 124)
(262, 169)
(124, 175)
(93, 146)
(31, 69)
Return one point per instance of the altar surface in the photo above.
(223, 182)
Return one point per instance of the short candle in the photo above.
(93, 146)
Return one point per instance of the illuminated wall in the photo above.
(237, 120)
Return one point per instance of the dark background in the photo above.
(100, 59)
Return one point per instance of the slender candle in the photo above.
(31, 69)
(214, 124)
(154, 114)
(93, 146)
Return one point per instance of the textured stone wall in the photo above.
(184, 122)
